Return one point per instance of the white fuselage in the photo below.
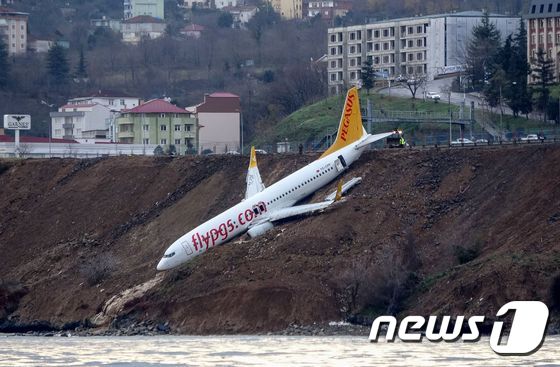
(238, 219)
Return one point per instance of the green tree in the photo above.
(225, 20)
(518, 94)
(4, 65)
(368, 75)
(57, 65)
(81, 69)
(481, 52)
(544, 77)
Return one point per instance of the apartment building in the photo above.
(543, 32)
(159, 122)
(78, 121)
(152, 8)
(13, 30)
(288, 9)
(407, 46)
(219, 118)
(326, 9)
(135, 29)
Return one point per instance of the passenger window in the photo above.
(256, 210)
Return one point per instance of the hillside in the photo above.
(428, 232)
(312, 122)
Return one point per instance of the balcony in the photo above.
(126, 134)
(122, 121)
(68, 125)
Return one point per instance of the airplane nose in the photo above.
(162, 265)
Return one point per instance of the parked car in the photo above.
(531, 137)
(462, 141)
(260, 151)
(481, 141)
(433, 95)
(232, 152)
(400, 78)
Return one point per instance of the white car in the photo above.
(531, 137)
(260, 151)
(481, 141)
(433, 95)
(232, 152)
(462, 141)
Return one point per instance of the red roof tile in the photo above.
(143, 19)
(156, 106)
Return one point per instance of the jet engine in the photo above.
(259, 229)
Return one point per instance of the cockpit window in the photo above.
(167, 256)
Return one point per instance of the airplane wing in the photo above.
(303, 209)
(254, 182)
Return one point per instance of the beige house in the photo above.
(219, 120)
(143, 26)
(288, 9)
(13, 30)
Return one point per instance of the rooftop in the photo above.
(156, 106)
(193, 28)
(34, 139)
(143, 19)
(543, 9)
(461, 14)
(7, 11)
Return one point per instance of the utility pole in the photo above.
(449, 110)
(369, 115)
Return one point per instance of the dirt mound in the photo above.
(429, 232)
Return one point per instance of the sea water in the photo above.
(257, 351)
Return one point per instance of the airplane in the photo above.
(262, 206)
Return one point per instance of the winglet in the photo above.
(254, 181)
(338, 191)
(253, 159)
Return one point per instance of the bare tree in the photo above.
(415, 82)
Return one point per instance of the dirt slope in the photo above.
(429, 232)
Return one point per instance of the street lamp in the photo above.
(50, 126)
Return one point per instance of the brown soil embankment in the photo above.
(428, 232)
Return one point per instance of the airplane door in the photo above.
(340, 163)
(187, 247)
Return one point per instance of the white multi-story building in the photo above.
(13, 30)
(220, 4)
(408, 46)
(78, 121)
(152, 8)
(114, 101)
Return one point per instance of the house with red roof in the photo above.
(161, 123)
(219, 118)
(142, 27)
(192, 31)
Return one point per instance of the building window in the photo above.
(419, 29)
(163, 127)
(353, 76)
(376, 60)
(163, 141)
(410, 43)
(376, 34)
(419, 69)
(162, 115)
(385, 59)
(549, 8)
(352, 36)
(419, 56)
(376, 47)
(352, 49)
(333, 38)
(533, 9)
(557, 8)
(57, 132)
(419, 43)
(410, 30)
(187, 127)
(541, 38)
(410, 57)
(146, 141)
(146, 128)
(177, 127)
(333, 77)
(541, 8)
(111, 102)
(177, 141)
(333, 64)
(333, 51)
(122, 102)
(352, 62)
(385, 33)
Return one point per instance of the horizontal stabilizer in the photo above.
(373, 138)
(347, 186)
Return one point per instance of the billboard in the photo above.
(17, 122)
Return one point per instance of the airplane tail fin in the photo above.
(350, 128)
(254, 181)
